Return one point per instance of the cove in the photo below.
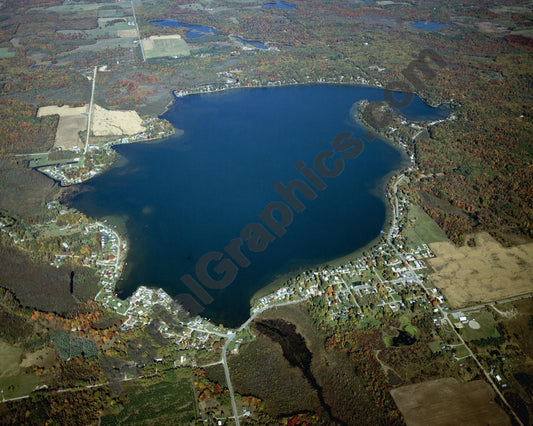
(186, 196)
(195, 31)
(278, 3)
(428, 25)
(255, 43)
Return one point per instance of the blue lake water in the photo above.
(195, 31)
(428, 25)
(279, 3)
(255, 43)
(191, 195)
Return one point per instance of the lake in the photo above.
(428, 25)
(188, 196)
(279, 3)
(195, 31)
(255, 43)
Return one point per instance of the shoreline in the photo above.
(208, 89)
(380, 191)
(282, 279)
(75, 171)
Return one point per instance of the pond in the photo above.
(195, 31)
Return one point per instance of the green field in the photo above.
(5, 53)
(423, 229)
(117, 10)
(9, 359)
(169, 399)
(104, 30)
(15, 386)
(461, 351)
(165, 48)
(435, 346)
(77, 7)
(487, 329)
(45, 162)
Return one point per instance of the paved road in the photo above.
(482, 305)
(202, 330)
(487, 374)
(138, 31)
(396, 211)
(89, 118)
(32, 154)
(412, 272)
(76, 389)
(443, 312)
(117, 257)
(230, 339)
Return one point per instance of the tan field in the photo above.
(71, 122)
(449, 402)
(115, 123)
(484, 273)
(103, 123)
(67, 134)
(41, 357)
(127, 33)
(62, 111)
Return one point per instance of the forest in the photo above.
(470, 173)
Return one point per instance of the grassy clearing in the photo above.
(14, 386)
(9, 359)
(104, 30)
(526, 33)
(486, 330)
(77, 7)
(424, 229)
(165, 46)
(405, 321)
(435, 346)
(407, 326)
(111, 13)
(6, 53)
(166, 400)
(411, 330)
(505, 307)
(461, 351)
(522, 325)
